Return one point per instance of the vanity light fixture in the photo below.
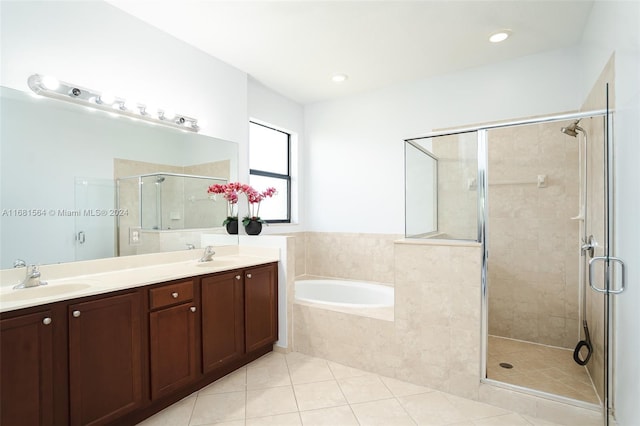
(52, 88)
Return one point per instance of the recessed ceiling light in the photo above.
(499, 36)
(339, 78)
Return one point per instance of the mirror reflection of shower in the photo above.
(171, 201)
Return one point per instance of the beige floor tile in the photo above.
(400, 388)
(177, 414)
(267, 377)
(473, 410)
(232, 382)
(342, 371)
(383, 413)
(334, 416)
(437, 408)
(271, 401)
(538, 422)
(272, 359)
(309, 370)
(364, 389)
(431, 408)
(311, 396)
(289, 419)
(216, 408)
(506, 420)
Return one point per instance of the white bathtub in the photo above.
(352, 294)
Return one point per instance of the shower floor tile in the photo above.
(539, 367)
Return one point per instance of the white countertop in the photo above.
(121, 274)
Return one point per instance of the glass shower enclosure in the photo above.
(517, 188)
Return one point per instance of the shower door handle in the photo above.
(81, 237)
(623, 274)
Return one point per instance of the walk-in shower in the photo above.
(534, 198)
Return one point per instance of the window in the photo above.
(269, 166)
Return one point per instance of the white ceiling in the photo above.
(294, 47)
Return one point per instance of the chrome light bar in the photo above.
(52, 88)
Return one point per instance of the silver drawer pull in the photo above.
(238, 277)
(193, 308)
(174, 294)
(76, 314)
(248, 275)
(46, 321)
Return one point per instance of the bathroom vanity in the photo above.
(120, 356)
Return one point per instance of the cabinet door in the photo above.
(105, 362)
(173, 348)
(261, 306)
(222, 320)
(26, 345)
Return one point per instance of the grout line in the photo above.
(192, 408)
(246, 393)
(343, 394)
(400, 402)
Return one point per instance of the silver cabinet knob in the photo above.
(46, 321)
(174, 294)
(248, 275)
(76, 314)
(238, 277)
(193, 309)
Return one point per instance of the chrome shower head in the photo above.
(572, 129)
(160, 179)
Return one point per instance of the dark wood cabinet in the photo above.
(260, 306)
(118, 358)
(222, 303)
(172, 339)
(26, 345)
(105, 359)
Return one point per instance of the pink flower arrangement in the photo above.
(230, 192)
(254, 198)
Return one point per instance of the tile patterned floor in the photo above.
(540, 367)
(296, 389)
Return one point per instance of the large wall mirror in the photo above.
(79, 184)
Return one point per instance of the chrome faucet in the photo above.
(19, 263)
(190, 246)
(32, 279)
(207, 256)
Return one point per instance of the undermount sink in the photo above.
(42, 291)
(216, 263)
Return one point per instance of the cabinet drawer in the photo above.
(171, 294)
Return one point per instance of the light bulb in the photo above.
(106, 98)
(50, 83)
(167, 114)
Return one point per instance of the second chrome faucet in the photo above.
(207, 256)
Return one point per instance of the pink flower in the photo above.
(230, 193)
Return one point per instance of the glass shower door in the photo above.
(95, 226)
(604, 271)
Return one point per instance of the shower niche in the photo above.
(171, 201)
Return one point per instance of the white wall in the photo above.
(354, 151)
(613, 27)
(95, 45)
(270, 108)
